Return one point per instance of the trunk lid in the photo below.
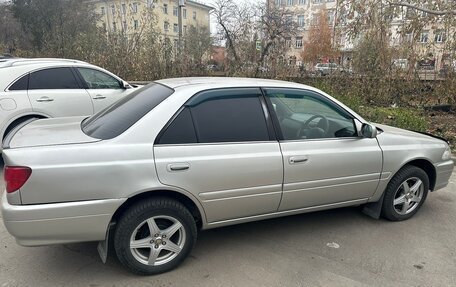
(55, 131)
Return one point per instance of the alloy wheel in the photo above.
(157, 240)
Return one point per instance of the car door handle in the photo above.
(178, 166)
(297, 159)
(99, 97)
(44, 99)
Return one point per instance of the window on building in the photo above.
(134, 7)
(439, 36)
(317, 1)
(330, 0)
(289, 2)
(136, 24)
(194, 15)
(184, 29)
(124, 8)
(150, 3)
(411, 13)
(176, 43)
(184, 13)
(330, 16)
(424, 37)
(165, 8)
(288, 42)
(114, 27)
(104, 27)
(103, 11)
(175, 11)
(301, 2)
(298, 42)
(166, 26)
(301, 21)
(175, 28)
(113, 9)
(124, 26)
(408, 37)
(288, 19)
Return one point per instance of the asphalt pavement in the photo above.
(339, 247)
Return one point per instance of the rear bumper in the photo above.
(443, 173)
(57, 223)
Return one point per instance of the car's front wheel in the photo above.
(154, 236)
(405, 193)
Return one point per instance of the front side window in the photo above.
(54, 78)
(98, 80)
(304, 115)
(228, 116)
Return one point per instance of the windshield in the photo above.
(117, 118)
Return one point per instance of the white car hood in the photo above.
(402, 132)
(55, 131)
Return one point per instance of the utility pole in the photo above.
(179, 19)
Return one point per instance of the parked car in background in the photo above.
(185, 154)
(325, 69)
(47, 88)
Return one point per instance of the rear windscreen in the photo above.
(117, 118)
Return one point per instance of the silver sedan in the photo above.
(181, 155)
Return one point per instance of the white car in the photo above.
(47, 88)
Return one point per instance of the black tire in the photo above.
(135, 217)
(408, 173)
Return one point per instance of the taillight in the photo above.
(16, 176)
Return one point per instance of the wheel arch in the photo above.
(428, 168)
(18, 119)
(194, 207)
(373, 209)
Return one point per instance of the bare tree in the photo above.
(443, 8)
(276, 27)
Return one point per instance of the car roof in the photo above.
(10, 62)
(209, 82)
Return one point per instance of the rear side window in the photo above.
(117, 118)
(229, 116)
(180, 130)
(51, 79)
(21, 84)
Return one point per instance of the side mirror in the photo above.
(368, 131)
(126, 85)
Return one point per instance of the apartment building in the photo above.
(429, 43)
(303, 13)
(133, 16)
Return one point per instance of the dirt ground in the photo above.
(443, 124)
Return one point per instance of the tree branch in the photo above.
(429, 11)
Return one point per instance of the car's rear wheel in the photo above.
(154, 236)
(405, 193)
